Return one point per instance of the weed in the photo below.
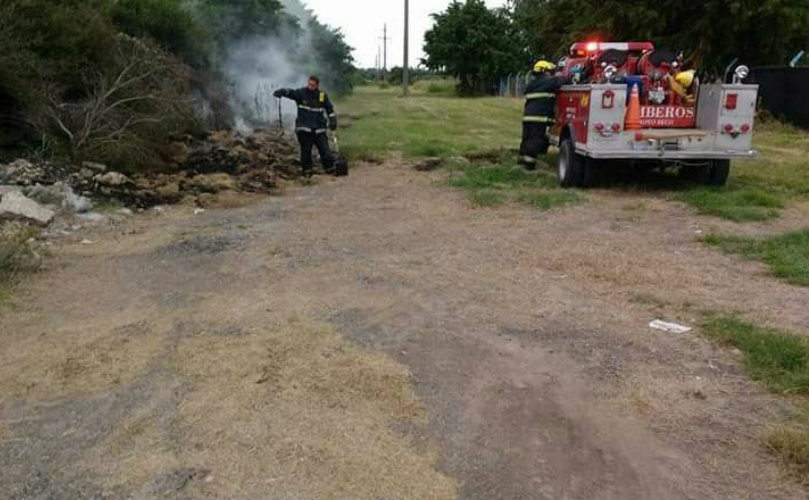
(744, 204)
(791, 446)
(777, 358)
(787, 255)
(490, 185)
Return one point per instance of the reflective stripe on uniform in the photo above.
(303, 129)
(333, 115)
(528, 159)
(320, 131)
(307, 108)
(539, 95)
(538, 119)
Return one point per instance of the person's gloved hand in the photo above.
(278, 93)
(333, 123)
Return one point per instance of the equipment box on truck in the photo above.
(639, 107)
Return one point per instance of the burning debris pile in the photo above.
(225, 161)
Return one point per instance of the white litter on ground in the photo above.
(669, 327)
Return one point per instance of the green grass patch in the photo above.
(777, 358)
(787, 255)
(736, 204)
(759, 189)
(428, 123)
(495, 184)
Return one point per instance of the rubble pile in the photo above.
(225, 161)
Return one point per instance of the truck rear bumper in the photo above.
(666, 155)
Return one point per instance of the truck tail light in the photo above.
(731, 101)
(728, 128)
(599, 127)
(616, 127)
(745, 128)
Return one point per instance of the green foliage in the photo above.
(712, 33)
(472, 43)
(167, 22)
(61, 58)
(786, 254)
(777, 358)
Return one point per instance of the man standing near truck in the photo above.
(540, 110)
(315, 114)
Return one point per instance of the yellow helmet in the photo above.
(685, 78)
(544, 65)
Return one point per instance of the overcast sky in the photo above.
(362, 22)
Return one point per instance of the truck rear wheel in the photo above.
(719, 171)
(570, 167)
(713, 173)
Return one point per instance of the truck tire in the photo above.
(715, 173)
(718, 173)
(570, 167)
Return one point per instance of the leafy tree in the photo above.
(712, 33)
(472, 43)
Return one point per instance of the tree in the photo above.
(711, 33)
(473, 43)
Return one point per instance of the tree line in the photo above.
(475, 43)
(114, 80)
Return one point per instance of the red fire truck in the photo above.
(697, 128)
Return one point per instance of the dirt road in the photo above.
(375, 337)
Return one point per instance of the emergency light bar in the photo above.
(602, 46)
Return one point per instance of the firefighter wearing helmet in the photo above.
(540, 109)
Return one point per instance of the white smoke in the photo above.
(257, 66)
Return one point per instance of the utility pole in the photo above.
(385, 39)
(406, 65)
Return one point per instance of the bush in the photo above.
(16, 253)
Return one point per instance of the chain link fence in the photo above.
(513, 85)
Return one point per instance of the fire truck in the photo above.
(631, 103)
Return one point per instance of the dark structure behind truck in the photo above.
(784, 92)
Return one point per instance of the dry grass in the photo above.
(74, 361)
(294, 412)
(792, 447)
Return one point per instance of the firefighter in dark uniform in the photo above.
(315, 114)
(540, 110)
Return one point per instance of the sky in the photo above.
(362, 22)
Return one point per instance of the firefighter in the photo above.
(315, 114)
(540, 110)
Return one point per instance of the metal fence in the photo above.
(784, 92)
(513, 85)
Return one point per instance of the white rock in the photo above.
(75, 202)
(16, 206)
(91, 217)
